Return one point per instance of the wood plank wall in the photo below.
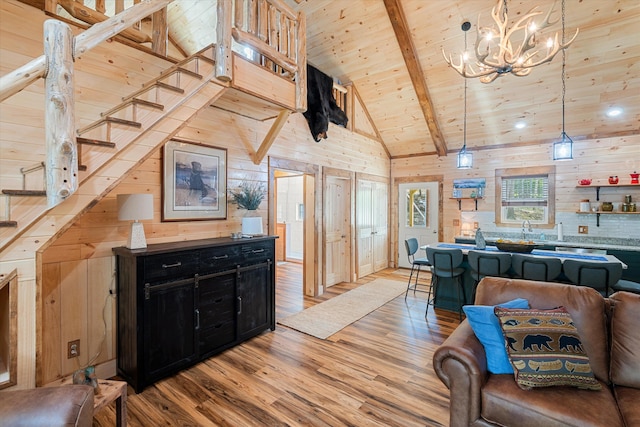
(596, 159)
(79, 267)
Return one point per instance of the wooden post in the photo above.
(224, 64)
(160, 34)
(271, 136)
(301, 56)
(59, 121)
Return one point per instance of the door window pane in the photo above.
(417, 213)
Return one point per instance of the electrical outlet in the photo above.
(583, 229)
(456, 222)
(476, 225)
(73, 349)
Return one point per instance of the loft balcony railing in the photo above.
(269, 28)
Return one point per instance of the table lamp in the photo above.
(135, 207)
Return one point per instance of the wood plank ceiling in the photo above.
(354, 41)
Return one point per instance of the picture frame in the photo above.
(194, 181)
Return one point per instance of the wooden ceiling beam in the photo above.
(403, 35)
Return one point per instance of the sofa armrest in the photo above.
(461, 364)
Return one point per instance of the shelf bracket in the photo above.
(598, 217)
(598, 195)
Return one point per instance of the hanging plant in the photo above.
(248, 196)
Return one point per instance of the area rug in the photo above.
(325, 319)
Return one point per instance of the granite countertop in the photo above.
(572, 241)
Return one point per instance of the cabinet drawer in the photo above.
(256, 252)
(165, 267)
(218, 335)
(220, 258)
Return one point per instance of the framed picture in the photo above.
(194, 183)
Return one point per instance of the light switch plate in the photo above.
(583, 229)
(456, 222)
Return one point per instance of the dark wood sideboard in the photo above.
(180, 303)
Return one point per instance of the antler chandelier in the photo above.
(514, 50)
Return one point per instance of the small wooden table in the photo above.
(110, 391)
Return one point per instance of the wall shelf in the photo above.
(597, 187)
(460, 199)
(597, 214)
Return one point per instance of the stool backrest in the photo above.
(411, 245)
(485, 263)
(598, 275)
(444, 259)
(536, 268)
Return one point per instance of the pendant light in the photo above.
(563, 149)
(465, 159)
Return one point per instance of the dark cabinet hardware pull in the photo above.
(177, 264)
(221, 257)
(239, 305)
(218, 301)
(197, 319)
(257, 251)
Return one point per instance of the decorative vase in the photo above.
(251, 224)
(634, 177)
(613, 179)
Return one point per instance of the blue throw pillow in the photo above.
(486, 326)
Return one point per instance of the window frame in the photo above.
(536, 171)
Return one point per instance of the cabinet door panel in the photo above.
(217, 312)
(254, 299)
(169, 336)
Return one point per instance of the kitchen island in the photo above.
(446, 295)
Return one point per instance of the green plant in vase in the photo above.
(248, 196)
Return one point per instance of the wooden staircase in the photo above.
(109, 148)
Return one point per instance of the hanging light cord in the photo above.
(464, 128)
(563, 72)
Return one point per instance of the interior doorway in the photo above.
(293, 216)
(289, 216)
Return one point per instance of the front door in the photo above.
(418, 214)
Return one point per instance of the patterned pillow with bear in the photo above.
(545, 349)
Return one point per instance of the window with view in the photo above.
(525, 194)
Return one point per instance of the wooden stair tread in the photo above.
(169, 87)
(147, 103)
(206, 59)
(29, 193)
(122, 122)
(96, 142)
(8, 224)
(189, 73)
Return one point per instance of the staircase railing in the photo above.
(56, 67)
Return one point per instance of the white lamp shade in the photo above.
(135, 207)
(252, 225)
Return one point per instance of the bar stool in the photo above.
(535, 267)
(601, 276)
(411, 245)
(485, 263)
(627, 286)
(446, 264)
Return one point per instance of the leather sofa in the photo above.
(609, 329)
(68, 405)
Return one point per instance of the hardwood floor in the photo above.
(375, 372)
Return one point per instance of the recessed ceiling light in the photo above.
(521, 125)
(614, 112)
